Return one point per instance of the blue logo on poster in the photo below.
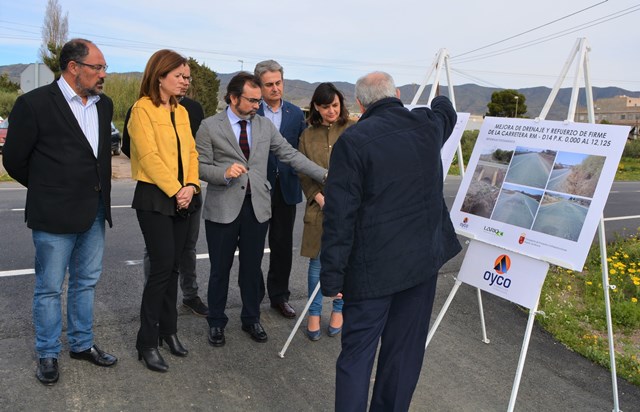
(502, 264)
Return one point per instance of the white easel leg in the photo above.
(433, 328)
(607, 306)
(484, 328)
(299, 321)
(523, 356)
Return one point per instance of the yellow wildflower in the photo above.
(634, 300)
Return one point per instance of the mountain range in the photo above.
(470, 98)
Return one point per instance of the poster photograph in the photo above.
(539, 187)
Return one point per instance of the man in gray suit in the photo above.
(233, 149)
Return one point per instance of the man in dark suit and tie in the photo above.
(286, 192)
(233, 148)
(59, 147)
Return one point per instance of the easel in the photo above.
(580, 50)
(442, 60)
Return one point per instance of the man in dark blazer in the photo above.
(286, 192)
(386, 233)
(233, 150)
(59, 147)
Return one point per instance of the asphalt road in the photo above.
(530, 169)
(460, 373)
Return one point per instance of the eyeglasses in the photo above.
(96, 67)
(252, 100)
(186, 78)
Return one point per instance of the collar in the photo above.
(270, 109)
(381, 105)
(70, 94)
(233, 118)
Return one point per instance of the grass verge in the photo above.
(574, 307)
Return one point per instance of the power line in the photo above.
(530, 30)
(556, 35)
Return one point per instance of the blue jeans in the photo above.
(81, 253)
(313, 277)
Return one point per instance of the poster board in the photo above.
(451, 145)
(511, 276)
(538, 187)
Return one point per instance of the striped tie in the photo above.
(244, 140)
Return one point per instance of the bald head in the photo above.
(373, 87)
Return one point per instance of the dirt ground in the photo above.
(120, 167)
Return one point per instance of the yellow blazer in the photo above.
(154, 149)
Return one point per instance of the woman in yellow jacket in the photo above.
(328, 118)
(164, 161)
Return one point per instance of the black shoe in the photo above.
(174, 344)
(95, 356)
(285, 309)
(216, 336)
(196, 306)
(256, 331)
(47, 371)
(152, 360)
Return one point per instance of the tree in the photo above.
(54, 35)
(507, 103)
(6, 85)
(204, 87)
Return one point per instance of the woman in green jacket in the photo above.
(328, 118)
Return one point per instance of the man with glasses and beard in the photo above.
(59, 147)
(233, 148)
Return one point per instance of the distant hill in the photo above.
(14, 71)
(470, 98)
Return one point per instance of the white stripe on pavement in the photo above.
(21, 272)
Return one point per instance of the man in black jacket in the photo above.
(59, 147)
(386, 233)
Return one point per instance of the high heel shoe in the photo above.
(152, 359)
(174, 344)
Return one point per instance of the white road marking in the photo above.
(21, 272)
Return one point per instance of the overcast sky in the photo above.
(496, 43)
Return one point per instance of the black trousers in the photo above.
(248, 235)
(165, 238)
(283, 217)
(401, 323)
(188, 276)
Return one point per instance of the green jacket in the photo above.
(316, 143)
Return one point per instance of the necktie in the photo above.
(244, 140)
(244, 145)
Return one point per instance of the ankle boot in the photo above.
(152, 359)
(174, 344)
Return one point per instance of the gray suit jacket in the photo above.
(218, 149)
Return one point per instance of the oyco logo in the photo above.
(501, 265)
